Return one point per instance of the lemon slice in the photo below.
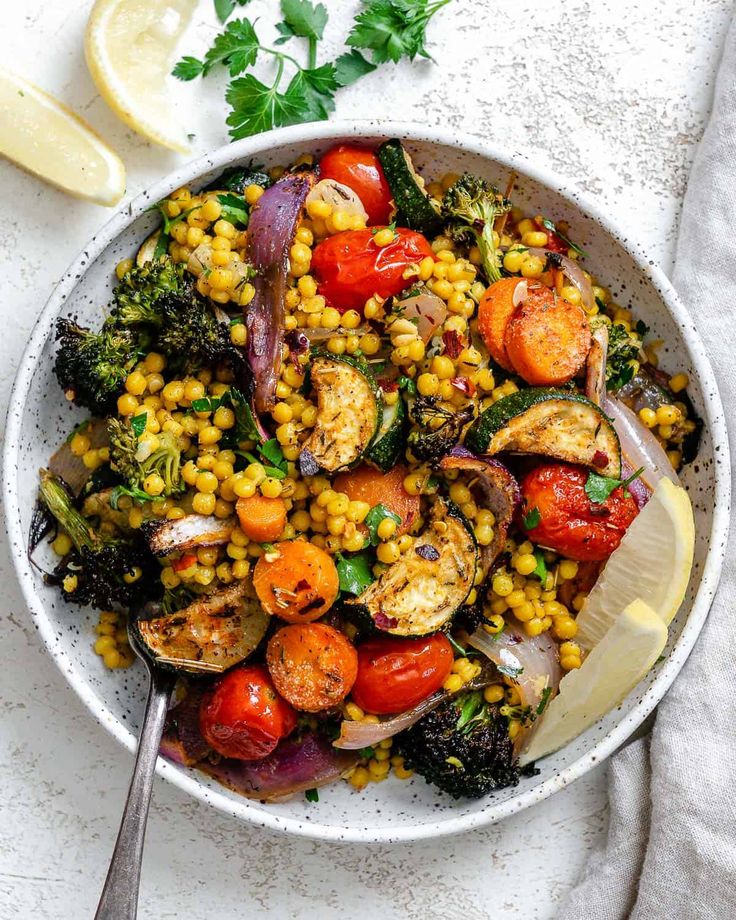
(40, 134)
(129, 45)
(652, 562)
(610, 671)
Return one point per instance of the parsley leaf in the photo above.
(366, 753)
(224, 8)
(303, 19)
(374, 517)
(311, 795)
(138, 423)
(136, 494)
(392, 29)
(541, 570)
(234, 208)
(351, 66)
(542, 705)
(354, 572)
(548, 225)
(316, 88)
(188, 68)
(531, 519)
(257, 107)
(406, 383)
(598, 488)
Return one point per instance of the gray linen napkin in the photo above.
(671, 846)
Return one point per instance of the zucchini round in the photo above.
(349, 411)
(390, 440)
(421, 593)
(554, 423)
(415, 208)
(209, 636)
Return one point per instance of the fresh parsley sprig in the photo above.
(387, 29)
(598, 488)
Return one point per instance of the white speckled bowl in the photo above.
(39, 419)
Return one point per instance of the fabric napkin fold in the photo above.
(671, 846)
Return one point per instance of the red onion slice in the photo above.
(639, 445)
(573, 271)
(595, 369)
(357, 735)
(297, 764)
(428, 309)
(531, 662)
(272, 226)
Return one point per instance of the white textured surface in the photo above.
(612, 94)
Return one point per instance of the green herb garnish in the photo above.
(598, 488)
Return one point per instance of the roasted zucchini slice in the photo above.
(421, 592)
(349, 411)
(211, 635)
(390, 441)
(415, 208)
(194, 530)
(554, 423)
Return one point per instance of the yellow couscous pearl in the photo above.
(679, 382)
(203, 503)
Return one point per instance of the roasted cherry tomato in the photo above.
(396, 674)
(360, 170)
(350, 267)
(242, 715)
(569, 522)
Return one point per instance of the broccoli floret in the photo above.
(101, 570)
(92, 366)
(191, 336)
(471, 207)
(624, 352)
(462, 746)
(439, 428)
(136, 298)
(134, 460)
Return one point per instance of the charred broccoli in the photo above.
(624, 352)
(191, 336)
(471, 207)
(92, 366)
(462, 746)
(136, 298)
(135, 460)
(439, 428)
(101, 570)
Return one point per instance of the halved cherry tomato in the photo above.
(396, 674)
(242, 715)
(360, 169)
(365, 484)
(569, 522)
(351, 267)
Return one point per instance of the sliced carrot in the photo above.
(312, 665)
(365, 484)
(547, 339)
(495, 309)
(261, 519)
(298, 582)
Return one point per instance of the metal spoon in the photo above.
(119, 899)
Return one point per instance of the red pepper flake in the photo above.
(452, 342)
(600, 459)
(186, 562)
(464, 384)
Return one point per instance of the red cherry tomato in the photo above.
(360, 170)
(350, 267)
(396, 674)
(242, 716)
(569, 521)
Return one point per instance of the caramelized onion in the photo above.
(639, 445)
(573, 271)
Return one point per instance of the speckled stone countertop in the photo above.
(612, 94)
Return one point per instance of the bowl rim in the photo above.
(244, 809)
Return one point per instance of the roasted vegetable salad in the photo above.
(355, 460)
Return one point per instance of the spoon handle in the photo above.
(119, 899)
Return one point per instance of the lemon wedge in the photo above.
(129, 45)
(46, 138)
(614, 667)
(652, 562)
